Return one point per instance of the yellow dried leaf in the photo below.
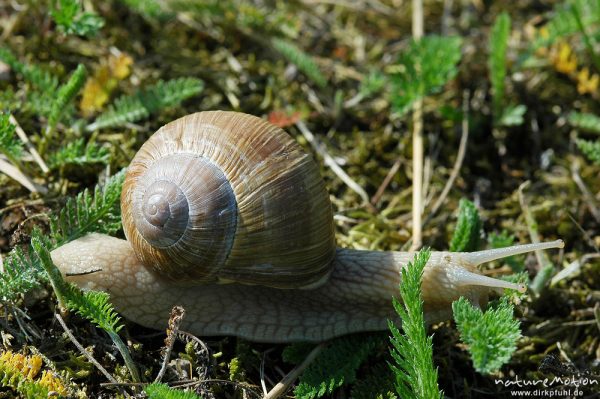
(93, 98)
(99, 87)
(120, 65)
(564, 59)
(586, 83)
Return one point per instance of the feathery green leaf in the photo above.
(10, 145)
(335, 366)
(41, 246)
(412, 350)
(148, 8)
(468, 228)
(162, 391)
(301, 59)
(497, 61)
(373, 83)
(98, 212)
(295, 353)
(491, 336)
(77, 153)
(426, 66)
(84, 214)
(65, 95)
(591, 149)
(127, 109)
(569, 17)
(512, 115)
(583, 121)
(94, 306)
(378, 384)
(22, 272)
(43, 80)
(71, 19)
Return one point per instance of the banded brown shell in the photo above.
(228, 197)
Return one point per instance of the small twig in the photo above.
(590, 241)
(354, 100)
(177, 314)
(23, 204)
(84, 272)
(262, 374)
(587, 196)
(388, 179)
(460, 156)
(531, 224)
(83, 351)
(546, 268)
(16, 174)
(283, 385)
(447, 17)
(26, 328)
(23, 136)
(597, 314)
(329, 161)
(572, 268)
(123, 384)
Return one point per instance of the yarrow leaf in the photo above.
(66, 93)
(98, 212)
(163, 391)
(425, 67)
(10, 145)
(128, 109)
(468, 228)
(491, 336)
(591, 149)
(71, 19)
(412, 349)
(497, 61)
(335, 366)
(301, 59)
(588, 122)
(39, 78)
(78, 153)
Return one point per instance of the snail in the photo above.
(227, 216)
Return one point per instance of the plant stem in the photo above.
(417, 186)
(135, 375)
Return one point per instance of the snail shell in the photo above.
(227, 197)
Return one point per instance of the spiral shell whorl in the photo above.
(228, 197)
(185, 215)
(163, 215)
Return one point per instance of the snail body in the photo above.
(226, 216)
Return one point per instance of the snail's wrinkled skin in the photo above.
(356, 296)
